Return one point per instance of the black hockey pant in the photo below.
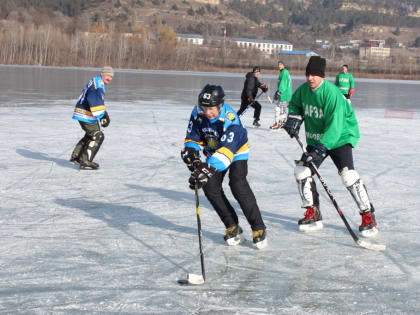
(241, 191)
(342, 157)
(256, 105)
(90, 131)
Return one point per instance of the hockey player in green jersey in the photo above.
(345, 82)
(331, 130)
(282, 96)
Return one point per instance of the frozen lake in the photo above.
(117, 240)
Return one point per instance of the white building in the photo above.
(265, 46)
(190, 39)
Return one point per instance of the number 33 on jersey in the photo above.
(223, 139)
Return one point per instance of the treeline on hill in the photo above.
(67, 7)
(319, 14)
(52, 33)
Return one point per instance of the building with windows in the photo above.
(190, 39)
(374, 49)
(265, 46)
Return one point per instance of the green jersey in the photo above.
(345, 82)
(284, 85)
(328, 116)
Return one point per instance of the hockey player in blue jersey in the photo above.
(216, 128)
(89, 109)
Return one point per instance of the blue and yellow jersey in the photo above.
(91, 106)
(224, 140)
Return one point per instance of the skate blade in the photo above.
(261, 245)
(192, 279)
(370, 233)
(87, 168)
(316, 226)
(234, 240)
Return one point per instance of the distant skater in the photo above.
(345, 82)
(249, 93)
(282, 96)
(89, 109)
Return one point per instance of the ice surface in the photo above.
(117, 240)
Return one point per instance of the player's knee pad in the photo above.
(306, 186)
(94, 144)
(98, 137)
(357, 189)
(302, 172)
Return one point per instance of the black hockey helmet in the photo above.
(211, 95)
(256, 69)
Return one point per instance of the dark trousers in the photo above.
(241, 191)
(255, 105)
(341, 156)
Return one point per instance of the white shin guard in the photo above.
(357, 189)
(305, 183)
(281, 112)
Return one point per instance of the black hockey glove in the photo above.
(264, 87)
(276, 96)
(202, 173)
(292, 125)
(190, 157)
(316, 155)
(105, 120)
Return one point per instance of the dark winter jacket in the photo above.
(251, 86)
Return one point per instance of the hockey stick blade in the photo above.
(192, 279)
(367, 245)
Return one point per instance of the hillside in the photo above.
(297, 21)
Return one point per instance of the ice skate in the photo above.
(275, 126)
(312, 220)
(259, 239)
(88, 165)
(233, 235)
(368, 227)
(74, 158)
(256, 124)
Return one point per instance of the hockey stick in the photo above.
(194, 278)
(361, 243)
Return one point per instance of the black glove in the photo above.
(200, 176)
(105, 120)
(276, 96)
(292, 125)
(316, 155)
(190, 157)
(264, 87)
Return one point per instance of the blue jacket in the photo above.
(224, 140)
(90, 106)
